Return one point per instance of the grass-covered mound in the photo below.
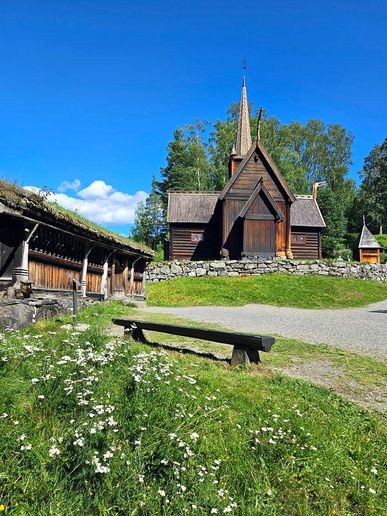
(309, 291)
(92, 425)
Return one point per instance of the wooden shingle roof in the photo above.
(366, 240)
(305, 212)
(191, 207)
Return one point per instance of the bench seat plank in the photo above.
(249, 341)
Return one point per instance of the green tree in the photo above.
(150, 226)
(371, 199)
(188, 168)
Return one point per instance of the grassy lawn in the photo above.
(309, 291)
(356, 376)
(91, 425)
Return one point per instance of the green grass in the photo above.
(356, 374)
(200, 433)
(309, 291)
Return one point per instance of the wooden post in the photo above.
(84, 272)
(132, 276)
(125, 277)
(289, 253)
(143, 282)
(104, 279)
(113, 276)
(75, 303)
(21, 273)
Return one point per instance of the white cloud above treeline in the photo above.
(98, 202)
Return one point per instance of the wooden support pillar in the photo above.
(289, 253)
(20, 273)
(125, 274)
(104, 279)
(85, 264)
(113, 276)
(131, 287)
(143, 282)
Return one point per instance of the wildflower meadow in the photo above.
(91, 424)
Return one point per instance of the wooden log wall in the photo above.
(194, 241)
(306, 243)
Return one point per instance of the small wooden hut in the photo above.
(42, 248)
(367, 248)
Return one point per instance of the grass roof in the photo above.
(37, 206)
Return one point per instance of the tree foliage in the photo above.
(149, 225)
(371, 200)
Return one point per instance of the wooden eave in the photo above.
(118, 247)
(261, 187)
(258, 146)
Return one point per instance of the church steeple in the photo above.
(243, 142)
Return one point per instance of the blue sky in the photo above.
(92, 90)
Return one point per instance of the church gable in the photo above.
(257, 164)
(261, 205)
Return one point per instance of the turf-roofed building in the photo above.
(255, 215)
(43, 248)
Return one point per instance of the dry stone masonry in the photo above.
(171, 270)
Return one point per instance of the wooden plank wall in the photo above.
(44, 275)
(311, 248)
(182, 247)
(259, 234)
(369, 255)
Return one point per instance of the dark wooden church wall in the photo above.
(186, 243)
(306, 242)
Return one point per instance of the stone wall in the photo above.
(17, 313)
(170, 270)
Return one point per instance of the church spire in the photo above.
(243, 142)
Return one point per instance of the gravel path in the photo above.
(363, 330)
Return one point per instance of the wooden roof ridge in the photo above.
(258, 188)
(258, 145)
(367, 240)
(191, 192)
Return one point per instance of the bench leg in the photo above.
(136, 333)
(241, 355)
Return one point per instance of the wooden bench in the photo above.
(246, 347)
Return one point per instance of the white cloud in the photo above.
(99, 202)
(96, 190)
(66, 185)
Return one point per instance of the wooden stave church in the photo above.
(255, 215)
